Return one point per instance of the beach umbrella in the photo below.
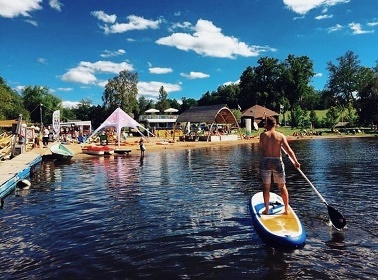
(171, 110)
(152, 110)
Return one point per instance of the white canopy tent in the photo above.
(120, 119)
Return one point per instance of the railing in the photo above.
(154, 117)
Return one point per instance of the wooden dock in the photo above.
(16, 169)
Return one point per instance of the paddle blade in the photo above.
(336, 218)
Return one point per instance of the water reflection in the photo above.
(183, 214)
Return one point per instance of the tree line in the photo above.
(282, 86)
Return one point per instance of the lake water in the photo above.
(184, 215)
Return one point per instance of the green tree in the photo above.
(206, 99)
(187, 103)
(40, 103)
(229, 95)
(326, 100)
(11, 104)
(144, 104)
(312, 101)
(163, 102)
(298, 117)
(367, 108)
(331, 118)
(262, 84)
(267, 88)
(247, 97)
(314, 120)
(122, 91)
(82, 110)
(68, 114)
(296, 79)
(97, 115)
(343, 80)
(175, 104)
(225, 94)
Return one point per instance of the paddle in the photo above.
(337, 220)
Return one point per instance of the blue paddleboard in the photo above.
(276, 229)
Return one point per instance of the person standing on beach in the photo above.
(141, 146)
(45, 137)
(271, 164)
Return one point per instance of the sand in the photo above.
(157, 144)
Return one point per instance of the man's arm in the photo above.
(290, 152)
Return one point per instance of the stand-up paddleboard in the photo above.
(276, 229)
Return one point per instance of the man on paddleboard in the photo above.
(271, 142)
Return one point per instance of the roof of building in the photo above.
(209, 114)
(259, 112)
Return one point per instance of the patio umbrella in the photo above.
(152, 110)
(170, 110)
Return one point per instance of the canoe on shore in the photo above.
(61, 152)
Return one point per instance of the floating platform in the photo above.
(122, 151)
(16, 169)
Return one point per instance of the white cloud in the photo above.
(79, 75)
(85, 72)
(100, 15)
(232, 83)
(20, 88)
(160, 70)
(151, 89)
(318, 75)
(375, 23)
(323, 17)
(195, 75)
(357, 29)
(32, 22)
(208, 40)
(70, 104)
(335, 28)
(65, 89)
(108, 53)
(304, 6)
(42, 60)
(135, 23)
(181, 25)
(15, 8)
(102, 83)
(55, 4)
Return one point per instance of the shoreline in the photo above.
(157, 144)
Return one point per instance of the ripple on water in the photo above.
(184, 214)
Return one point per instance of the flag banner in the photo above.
(56, 121)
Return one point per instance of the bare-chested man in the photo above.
(271, 142)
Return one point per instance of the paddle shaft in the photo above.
(337, 220)
(308, 181)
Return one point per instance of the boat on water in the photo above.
(276, 229)
(97, 150)
(61, 152)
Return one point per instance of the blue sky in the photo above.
(74, 46)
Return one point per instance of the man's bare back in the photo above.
(271, 142)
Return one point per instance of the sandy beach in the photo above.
(157, 144)
(152, 145)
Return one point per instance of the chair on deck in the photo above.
(103, 140)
